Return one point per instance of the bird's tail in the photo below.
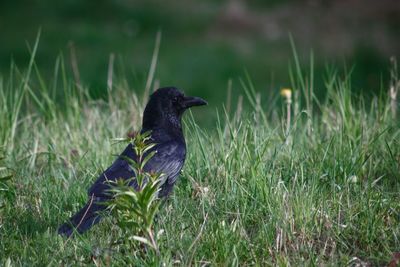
(84, 219)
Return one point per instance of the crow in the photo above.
(162, 117)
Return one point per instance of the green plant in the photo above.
(134, 210)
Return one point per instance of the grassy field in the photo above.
(259, 187)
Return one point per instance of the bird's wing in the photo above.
(168, 159)
(120, 169)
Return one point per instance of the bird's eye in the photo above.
(175, 99)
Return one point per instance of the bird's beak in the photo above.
(191, 101)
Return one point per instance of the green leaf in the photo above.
(147, 158)
(148, 147)
(153, 210)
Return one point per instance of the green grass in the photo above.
(325, 193)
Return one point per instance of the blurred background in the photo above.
(205, 43)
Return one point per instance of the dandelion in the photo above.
(287, 94)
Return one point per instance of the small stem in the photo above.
(110, 72)
(153, 241)
(288, 117)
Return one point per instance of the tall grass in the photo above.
(325, 192)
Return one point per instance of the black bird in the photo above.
(162, 116)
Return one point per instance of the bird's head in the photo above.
(166, 106)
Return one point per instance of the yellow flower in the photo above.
(286, 93)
